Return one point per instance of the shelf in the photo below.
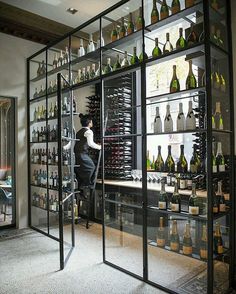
(121, 136)
(44, 142)
(123, 203)
(172, 96)
(51, 72)
(175, 18)
(45, 209)
(175, 54)
(91, 56)
(49, 119)
(46, 188)
(86, 83)
(123, 70)
(181, 132)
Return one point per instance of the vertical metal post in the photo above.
(47, 168)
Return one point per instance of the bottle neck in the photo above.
(157, 111)
(163, 186)
(167, 110)
(180, 108)
(176, 188)
(182, 150)
(174, 228)
(193, 189)
(187, 231)
(156, 42)
(159, 151)
(169, 150)
(219, 149)
(167, 37)
(190, 106)
(218, 110)
(174, 72)
(190, 68)
(219, 192)
(161, 224)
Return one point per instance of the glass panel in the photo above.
(7, 161)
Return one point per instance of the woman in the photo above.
(85, 173)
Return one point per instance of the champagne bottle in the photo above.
(214, 4)
(125, 61)
(193, 202)
(222, 83)
(169, 163)
(139, 22)
(175, 6)
(161, 240)
(174, 237)
(97, 73)
(213, 36)
(182, 165)
(93, 71)
(180, 121)
(218, 241)
(168, 46)
(87, 74)
(219, 125)
(163, 201)
(215, 201)
(191, 82)
(134, 59)
(190, 119)
(215, 77)
(108, 67)
(164, 13)
(193, 37)
(220, 194)
(157, 122)
(55, 61)
(189, 3)
(91, 43)
(148, 161)
(153, 163)
(155, 13)
(220, 160)
(156, 51)
(143, 56)
(168, 122)
(214, 164)
(195, 163)
(187, 241)
(114, 34)
(100, 42)
(175, 203)
(159, 163)
(117, 65)
(130, 26)
(203, 244)
(174, 84)
(122, 31)
(81, 51)
(181, 42)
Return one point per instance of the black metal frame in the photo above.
(207, 45)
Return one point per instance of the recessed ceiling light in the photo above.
(72, 10)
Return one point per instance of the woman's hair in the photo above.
(85, 119)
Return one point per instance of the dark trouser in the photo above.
(85, 174)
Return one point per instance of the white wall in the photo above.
(13, 54)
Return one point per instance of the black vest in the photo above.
(81, 146)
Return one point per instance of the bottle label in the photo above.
(222, 207)
(187, 250)
(50, 182)
(162, 205)
(182, 184)
(194, 210)
(222, 168)
(161, 242)
(174, 246)
(69, 213)
(214, 169)
(203, 253)
(215, 209)
(220, 249)
(175, 207)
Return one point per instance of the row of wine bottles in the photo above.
(40, 200)
(40, 156)
(187, 243)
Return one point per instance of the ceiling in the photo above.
(56, 9)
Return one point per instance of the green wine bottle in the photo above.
(194, 202)
(122, 31)
(155, 13)
(174, 85)
(164, 13)
(203, 244)
(191, 82)
(187, 241)
(134, 59)
(156, 51)
(168, 46)
(114, 34)
(130, 25)
(182, 165)
(159, 163)
(169, 163)
(175, 6)
(139, 22)
(192, 37)
(195, 163)
(108, 67)
(181, 42)
(174, 237)
(175, 203)
(117, 64)
(143, 57)
(218, 242)
(148, 161)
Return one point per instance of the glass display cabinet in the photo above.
(156, 76)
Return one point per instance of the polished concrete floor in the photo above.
(30, 264)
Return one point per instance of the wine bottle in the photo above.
(60, 60)
(162, 201)
(220, 194)
(193, 202)
(97, 73)
(169, 163)
(174, 237)
(55, 61)
(190, 119)
(161, 240)
(87, 74)
(215, 200)
(214, 4)
(182, 165)
(219, 40)
(36, 94)
(189, 3)
(203, 244)
(220, 160)
(66, 56)
(159, 163)
(157, 122)
(155, 13)
(195, 163)
(114, 34)
(181, 42)
(93, 71)
(219, 125)
(175, 203)
(191, 82)
(168, 46)
(213, 36)
(91, 43)
(125, 61)
(130, 25)
(108, 67)
(134, 59)
(175, 6)
(214, 164)
(193, 37)
(139, 22)
(100, 42)
(180, 121)
(81, 51)
(168, 122)
(148, 161)
(164, 12)
(174, 84)
(222, 83)
(187, 241)
(156, 51)
(218, 241)
(122, 31)
(215, 77)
